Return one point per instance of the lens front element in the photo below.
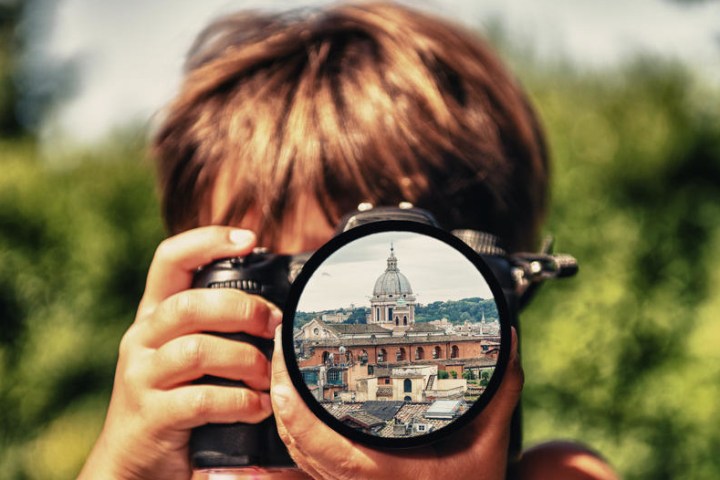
(398, 334)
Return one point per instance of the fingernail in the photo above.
(242, 238)
(281, 397)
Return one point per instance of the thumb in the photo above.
(307, 438)
(497, 414)
(297, 424)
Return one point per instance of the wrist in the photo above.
(102, 463)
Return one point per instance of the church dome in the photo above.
(392, 282)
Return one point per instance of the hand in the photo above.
(478, 451)
(154, 403)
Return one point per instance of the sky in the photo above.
(127, 56)
(435, 270)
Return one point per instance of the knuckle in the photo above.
(243, 305)
(192, 353)
(241, 401)
(201, 403)
(163, 252)
(127, 343)
(255, 360)
(185, 306)
(253, 308)
(132, 375)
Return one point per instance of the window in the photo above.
(437, 353)
(310, 377)
(408, 398)
(405, 320)
(421, 428)
(455, 352)
(381, 355)
(335, 376)
(316, 331)
(407, 385)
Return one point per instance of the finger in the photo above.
(497, 414)
(300, 429)
(194, 405)
(177, 258)
(209, 310)
(191, 356)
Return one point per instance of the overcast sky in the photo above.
(435, 270)
(128, 54)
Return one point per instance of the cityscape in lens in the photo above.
(393, 365)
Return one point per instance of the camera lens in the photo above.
(396, 333)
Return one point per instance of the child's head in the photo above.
(354, 103)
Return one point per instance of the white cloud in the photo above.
(436, 271)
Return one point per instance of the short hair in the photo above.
(352, 103)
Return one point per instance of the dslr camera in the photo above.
(396, 333)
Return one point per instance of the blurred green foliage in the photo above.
(74, 249)
(625, 357)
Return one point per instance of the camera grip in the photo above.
(241, 445)
(238, 444)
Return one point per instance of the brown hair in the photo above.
(368, 102)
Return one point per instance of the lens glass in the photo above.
(396, 334)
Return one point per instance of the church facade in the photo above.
(392, 304)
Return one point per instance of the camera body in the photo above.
(271, 276)
(241, 445)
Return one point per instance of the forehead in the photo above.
(304, 226)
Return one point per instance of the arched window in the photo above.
(408, 398)
(377, 314)
(405, 320)
(455, 352)
(381, 355)
(419, 353)
(437, 352)
(325, 356)
(400, 355)
(407, 385)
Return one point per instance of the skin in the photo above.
(154, 404)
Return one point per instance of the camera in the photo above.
(396, 358)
